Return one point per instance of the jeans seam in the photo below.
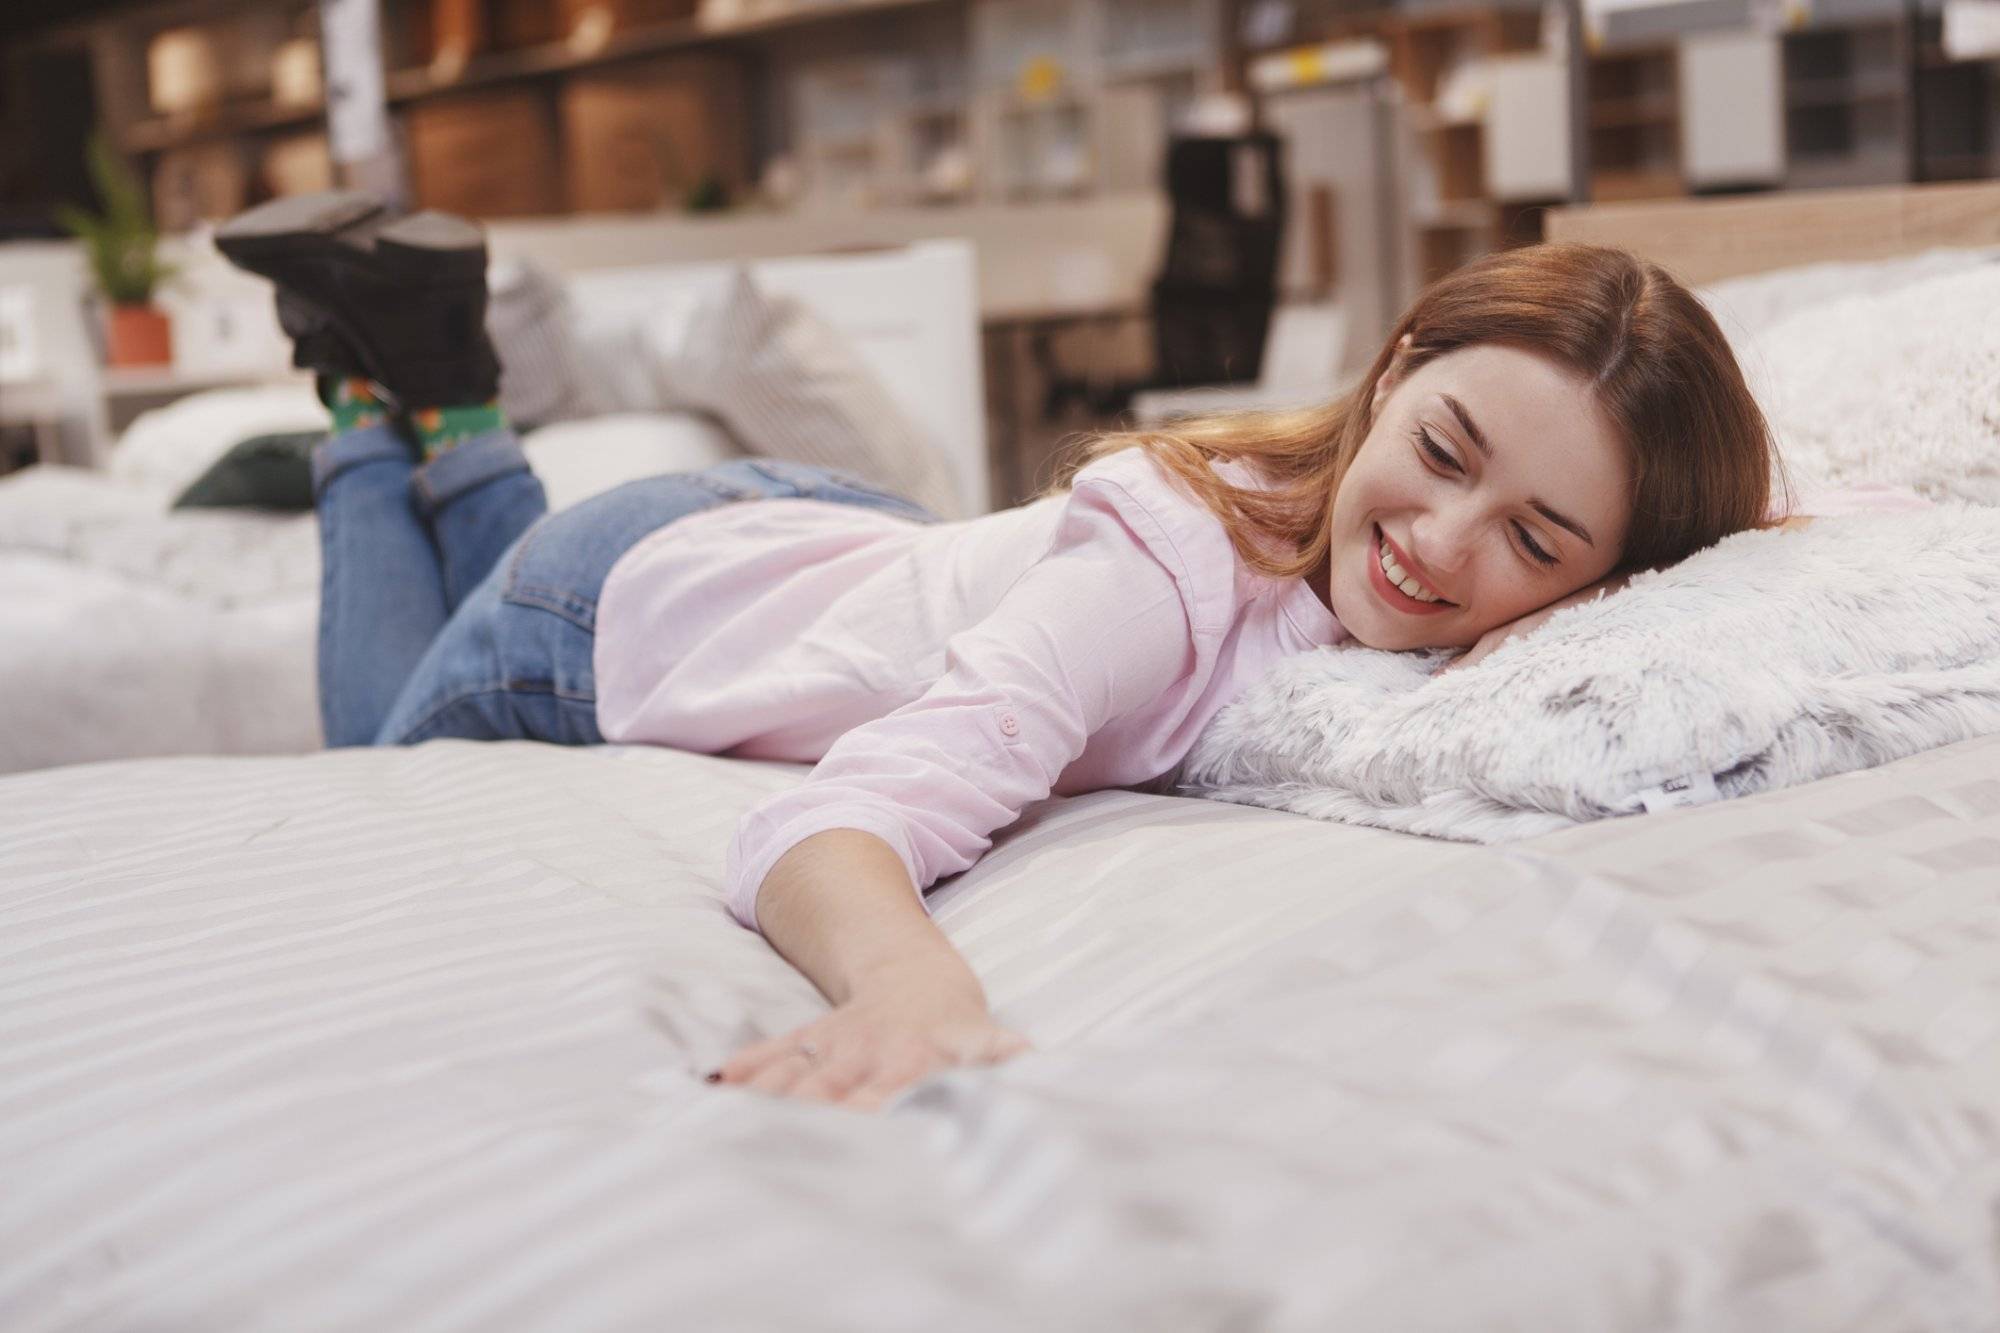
(832, 484)
(719, 488)
(322, 480)
(437, 710)
(421, 480)
(539, 599)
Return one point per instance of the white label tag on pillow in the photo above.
(1689, 789)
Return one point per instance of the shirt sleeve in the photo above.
(1095, 628)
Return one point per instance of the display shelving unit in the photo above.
(1634, 122)
(1000, 101)
(1847, 104)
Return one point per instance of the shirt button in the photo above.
(1008, 726)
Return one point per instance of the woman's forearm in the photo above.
(840, 907)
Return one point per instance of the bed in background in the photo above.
(413, 1038)
(134, 629)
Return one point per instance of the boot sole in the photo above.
(345, 227)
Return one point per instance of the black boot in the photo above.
(366, 293)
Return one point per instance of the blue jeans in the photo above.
(454, 604)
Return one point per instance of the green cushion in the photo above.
(264, 472)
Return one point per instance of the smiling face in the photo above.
(1493, 484)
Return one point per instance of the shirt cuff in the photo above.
(756, 848)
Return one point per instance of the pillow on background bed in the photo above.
(530, 319)
(1876, 636)
(166, 449)
(579, 459)
(1898, 387)
(788, 385)
(263, 472)
(1746, 306)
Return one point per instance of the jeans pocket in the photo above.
(545, 570)
(561, 562)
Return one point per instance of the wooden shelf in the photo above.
(547, 60)
(225, 121)
(1426, 119)
(1955, 166)
(123, 382)
(1460, 215)
(1613, 186)
(1803, 94)
(1646, 109)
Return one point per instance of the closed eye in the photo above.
(1430, 446)
(1534, 550)
(1443, 458)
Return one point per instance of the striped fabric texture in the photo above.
(412, 1039)
(528, 319)
(789, 386)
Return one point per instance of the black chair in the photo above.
(1211, 303)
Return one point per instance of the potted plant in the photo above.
(122, 248)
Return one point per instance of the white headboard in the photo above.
(911, 312)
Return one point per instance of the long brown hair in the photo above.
(1701, 453)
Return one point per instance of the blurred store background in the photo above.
(1174, 203)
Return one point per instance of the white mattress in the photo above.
(131, 629)
(412, 1039)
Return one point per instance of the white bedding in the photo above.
(131, 629)
(411, 1038)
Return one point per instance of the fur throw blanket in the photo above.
(1771, 659)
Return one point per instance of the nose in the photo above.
(1441, 539)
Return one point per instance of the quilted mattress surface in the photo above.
(413, 1039)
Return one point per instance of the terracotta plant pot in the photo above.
(139, 335)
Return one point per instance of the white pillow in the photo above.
(1897, 388)
(608, 311)
(788, 385)
(618, 358)
(579, 459)
(164, 450)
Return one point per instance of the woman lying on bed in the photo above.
(1538, 424)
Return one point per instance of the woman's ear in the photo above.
(1390, 378)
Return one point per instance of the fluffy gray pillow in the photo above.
(1771, 659)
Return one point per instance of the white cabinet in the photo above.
(1527, 127)
(1732, 109)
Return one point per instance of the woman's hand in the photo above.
(877, 1043)
(1493, 638)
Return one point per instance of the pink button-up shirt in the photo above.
(940, 677)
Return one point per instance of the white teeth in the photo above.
(1403, 579)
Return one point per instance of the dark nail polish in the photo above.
(714, 1076)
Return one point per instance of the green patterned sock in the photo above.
(439, 428)
(352, 402)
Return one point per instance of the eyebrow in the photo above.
(1478, 437)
